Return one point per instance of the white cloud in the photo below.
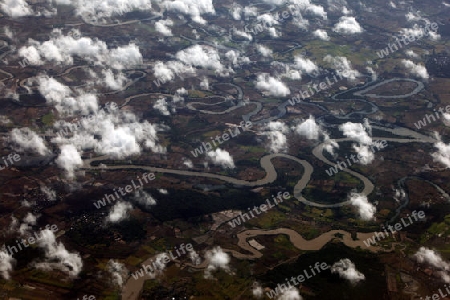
(343, 66)
(347, 25)
(411, 53)
(27, 140)
(162, 26)
(366, 209)
(16, 8)
(57, 256)
(217, 259)
(305, 64)
(321, 34)
(443, 153)
(144, 198)
(119, 211)
(162, 106)
(118, 272)
(264, 51)
(201, 56)
(346, 269)
(271, 86)
(69, 159)
(308, 128)
(193, 8)
(419, 71)
(188, 163)
(222, 158)
(6, 264)
(357, 132)
(291, 293)
(426, 255)
(276, 133)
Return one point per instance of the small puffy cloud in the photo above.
(347, 25)
(305, 64)
(222, 158)
(276, 133)
(357, 132)
(6, 264)
(321, 34)
(264, 51)
(431, 257)
(16, 8)
(27, 140)
(418, 70)
(193, 8)
(292, 293)
(257, 290)
(69, 159)
(366, 209)
(57, 256)
(343, 66)
(162, 26)
(308, 128)
(118, 272)
(201, 56)
(271, 86)
(119, 212)
(144, 198)
(347, 270)
(361, 134)
(162, 106)
(188, 163)
(217, 259)
(411, 53)
(443, 153)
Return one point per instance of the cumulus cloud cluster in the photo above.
(192, 8)
(417, 70)
(26, 140)
(222, 158)
(57, 256)
(271, 86)
(6, 264)
(217, 259)
(361, 134)
(342, 66)
(365, 209)
(119, 211)
(144, 198)
(427, 256)
(347, 25)
(62, 49)
(443, 153)
(118, 272)
(347, 270)
(276, 134)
